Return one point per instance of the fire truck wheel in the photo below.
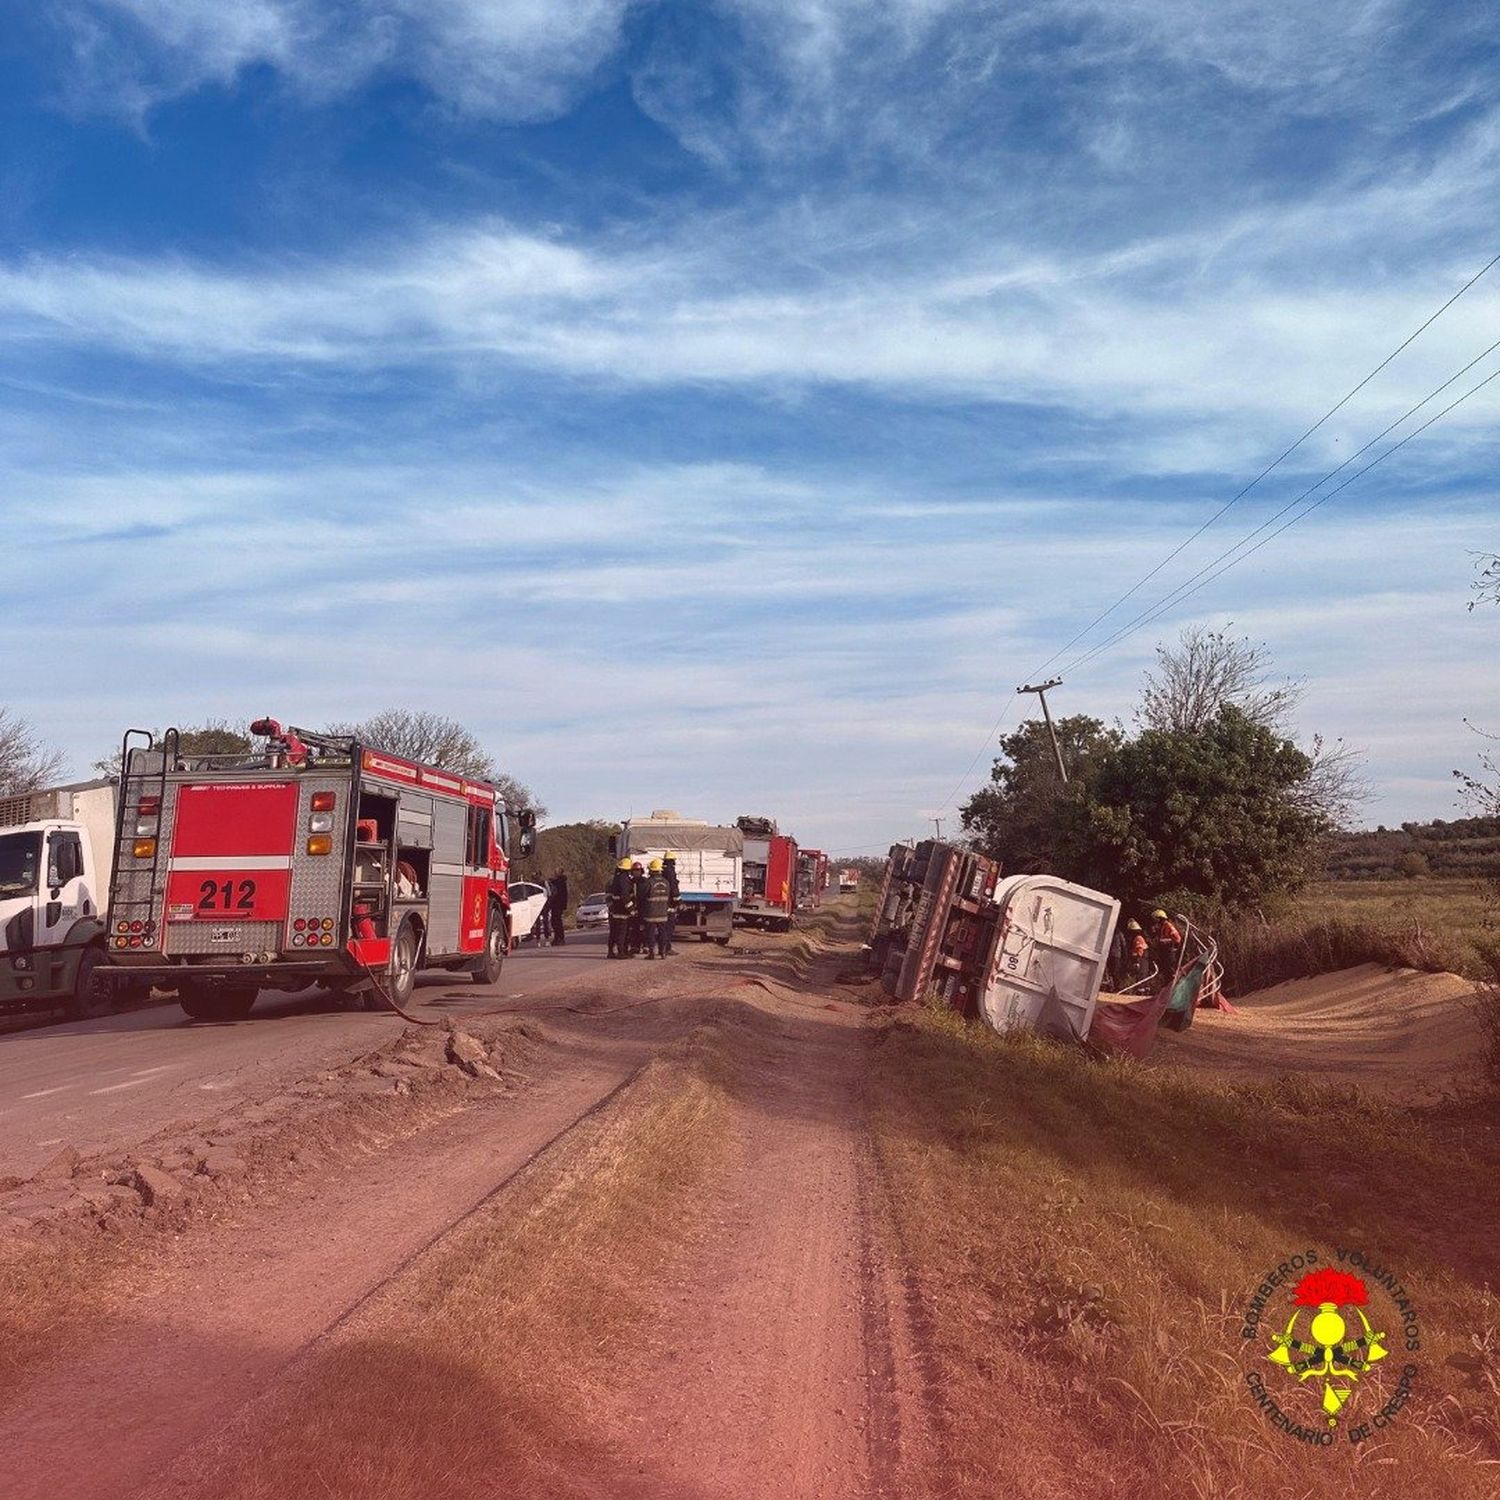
(402, 979)
(91, 993)
(487, 970)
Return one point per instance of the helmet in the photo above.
(623, 865)
(639, 868)
(1132, 925)
(654, 866)
(670, 856)
(1158, 915)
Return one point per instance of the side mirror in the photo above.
(527, 819)
(614, 846)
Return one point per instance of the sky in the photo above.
(726, 406)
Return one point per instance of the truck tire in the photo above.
(215, 1003)
(496, 945)
(405, 955)
(91, 993)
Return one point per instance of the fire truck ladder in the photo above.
(155, 761)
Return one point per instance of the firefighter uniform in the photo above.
(669, 873)
(621, 895)
(656, 908)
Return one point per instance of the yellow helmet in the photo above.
(654, 867)
(671, 854)
(623, 865)
(1158, 915)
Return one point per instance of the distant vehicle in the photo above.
(710, 862)
(593, 911)
(527, 899)
(848, 881)
(56, 848)
(768, 894)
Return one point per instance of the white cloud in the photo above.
(515, 60)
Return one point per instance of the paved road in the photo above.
(97, 1084)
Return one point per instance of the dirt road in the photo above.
(775, 1361)
(93, 1084)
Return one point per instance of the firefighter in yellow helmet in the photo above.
(656, 908)
(1167, 941)
(669, 870)
(621, 894)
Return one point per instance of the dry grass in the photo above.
(1457, 919)
(1086, 1235)
(485, 1369)
(54, 1296)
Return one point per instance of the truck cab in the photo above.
(53, 895)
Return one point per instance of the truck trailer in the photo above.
(710, 867)
(317, 860)
(56, 848)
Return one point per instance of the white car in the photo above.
(593, 911)
(527, 900)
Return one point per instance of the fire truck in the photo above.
(315, 860)
(812, 878)
(768, 895)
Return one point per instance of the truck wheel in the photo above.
(487, 970)
(91, 993)
(402, 979)
(211, 1003)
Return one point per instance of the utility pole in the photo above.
(1041, 689)
(937, 823)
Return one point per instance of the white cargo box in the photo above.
(1051, 947)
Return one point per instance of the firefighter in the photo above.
(656, 908)
(1114, 968)
(635, 934)
(556, 908)
(669, 871)
(621, 895)
(1167, 941)
(1137, 953)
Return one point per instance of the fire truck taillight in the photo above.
(144, 848)
(324, 801)
(150, 806)
(320, 843)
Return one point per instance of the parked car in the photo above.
(593, 911)
(527, 901)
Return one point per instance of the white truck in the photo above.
(710, 867)
(56, 849)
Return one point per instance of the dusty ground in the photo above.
(1404, 1033)
(725, 1227)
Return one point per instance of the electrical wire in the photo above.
(1234, 500)
(1212, 570)
(1275, 463)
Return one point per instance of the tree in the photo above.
(1412, 865)
(213, 737)
(1015, 819)
(26, 762)
(1215, 814)
(1207, 671)
(439, 741)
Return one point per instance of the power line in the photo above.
(1274, 464)
(1190, 585)
(1234, 500)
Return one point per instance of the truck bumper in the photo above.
(48, 980)
(706, 917)
(292, 974)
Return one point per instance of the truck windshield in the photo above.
(20, 856)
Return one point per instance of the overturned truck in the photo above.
(1022, 952)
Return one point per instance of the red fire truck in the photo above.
(812, 877)
(768, 891)
(317, 860)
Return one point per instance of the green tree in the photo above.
(215, 737)
(1218, 815)
(1016, 818)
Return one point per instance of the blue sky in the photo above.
(725, 405)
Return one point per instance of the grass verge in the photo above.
(486, 1367)
(1086, 1237)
